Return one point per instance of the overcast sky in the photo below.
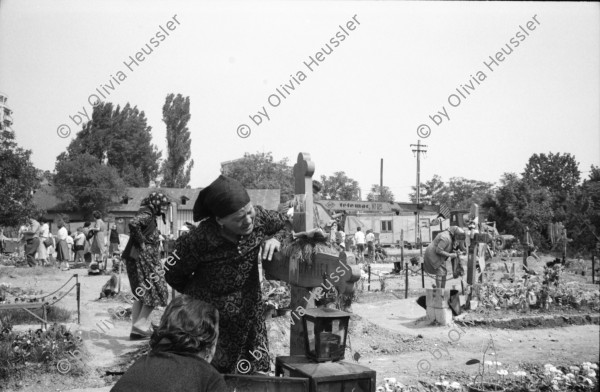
(398, 64)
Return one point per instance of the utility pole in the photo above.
(418, 152)
(381, 182)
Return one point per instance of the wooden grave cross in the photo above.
(327, 270)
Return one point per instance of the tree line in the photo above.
(547, 191)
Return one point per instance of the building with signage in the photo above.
(120, 213)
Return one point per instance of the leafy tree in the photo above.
(340, 187)
(518, 204)
(376, 195)
(85, 184)
(555, 171)
(176, 114)
(582, 211)
(19, 179)
(122, 139)
(432, 192)
(458, 193)
(464, 192)
(260, 171)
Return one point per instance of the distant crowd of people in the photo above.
(88, 244)
(93, 243)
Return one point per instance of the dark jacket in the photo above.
(170, 372)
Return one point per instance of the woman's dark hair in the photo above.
(97, 214)
(87, 224)
(189, 325)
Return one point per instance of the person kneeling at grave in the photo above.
(182, 347)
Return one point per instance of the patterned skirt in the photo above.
(146, 278)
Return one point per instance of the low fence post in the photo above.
(78, 295)
(593, 269)
(369, 282)
(422, 275)
(406, 288)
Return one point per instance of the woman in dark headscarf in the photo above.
(144, 269)
(217, 262)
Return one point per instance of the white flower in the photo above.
(574, 369)
(548, 366)
(520, 373)
(594, 366)
(570, 375)
(588, 381)
(591, 373)
(502, 372)
(455, 385)
(489, 363)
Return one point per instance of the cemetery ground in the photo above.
(388, 333)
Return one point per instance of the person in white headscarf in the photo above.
(438, 251)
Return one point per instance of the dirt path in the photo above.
(566, 345)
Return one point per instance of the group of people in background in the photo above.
(87, 245)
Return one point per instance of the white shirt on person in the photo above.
(370, 237)
(62, 233)
(359, 236)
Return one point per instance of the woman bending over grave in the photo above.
(182, 347)
(217, 262)
(441, 248)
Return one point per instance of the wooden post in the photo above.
(564, 252)
(303, 220)
(369, 283)
(402, 246)
(78, 295)
(304, 275)
(406, 288)
(120, 269)
(593, 269)
(526, 247)
(422, 275)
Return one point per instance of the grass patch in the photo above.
(55, 314)
(27, 271)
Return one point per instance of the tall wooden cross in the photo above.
(340, 270)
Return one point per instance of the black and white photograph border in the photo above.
(415, 121)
